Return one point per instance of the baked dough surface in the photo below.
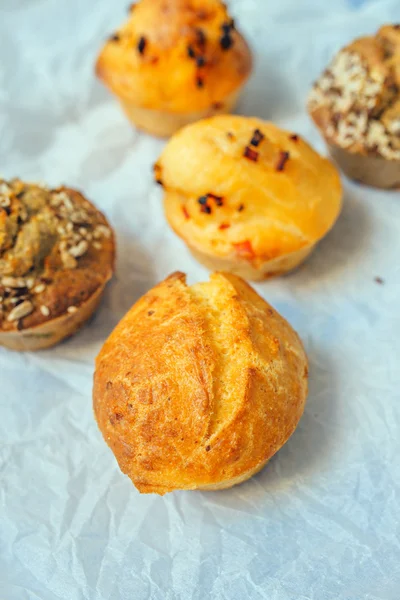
(199, 386)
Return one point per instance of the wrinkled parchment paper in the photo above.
(321, 522)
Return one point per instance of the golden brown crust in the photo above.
(198, 386)
(56, 252)
(356, 101)
(177, 56)
(253, 199)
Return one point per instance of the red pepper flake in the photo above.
(142, 45)
(224, 226)
(208, 448)
(226, 41)
(228, 26)
(201, 38)
(294, 137)
(257, 138)
(250, 154)
(379, 280)
(203, 200)
(199, 81)
(185, 212)
(240, 207)
(200, 61)
(230, 135)
(115, 37)
(219, 200)
(283, 158)
(157, 173)
(244, 249)
(155, 60)
(150, 312)
(206, 208)
(191, 52)
(218, 106)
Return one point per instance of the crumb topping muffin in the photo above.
(356, 101)
(56, 252)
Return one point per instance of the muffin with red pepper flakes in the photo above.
(56, 256)
(356, 106)
(251, 199)
(175, 62)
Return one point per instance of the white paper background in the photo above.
(322, 520)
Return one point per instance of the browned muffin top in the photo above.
(356, 100)
(176, 55)
(56, 250)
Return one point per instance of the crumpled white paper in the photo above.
(321, 521)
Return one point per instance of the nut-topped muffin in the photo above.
(356, 105)
(174, 62)
(56, 255)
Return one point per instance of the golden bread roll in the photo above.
(355, 104)
(174, 62)
(197, 387)
(56, 256)
(246, 196)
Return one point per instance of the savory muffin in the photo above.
(56, 256)
(356, 106)
(174, 62)
(252, 199)
(197, 387)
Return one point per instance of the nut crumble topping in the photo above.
(360, 98)
(40, 229)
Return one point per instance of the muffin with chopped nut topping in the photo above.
(356, 106)
(56, 256)
(251, 199)
(174, 62)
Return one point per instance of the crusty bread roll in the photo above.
(356, 106)
(56, 256)
(246, 196)
(197, 387)
(174, 62)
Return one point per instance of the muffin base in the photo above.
(163, 123)
(53, 331)
(244, 268)
(223, 485)
(373, 171)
